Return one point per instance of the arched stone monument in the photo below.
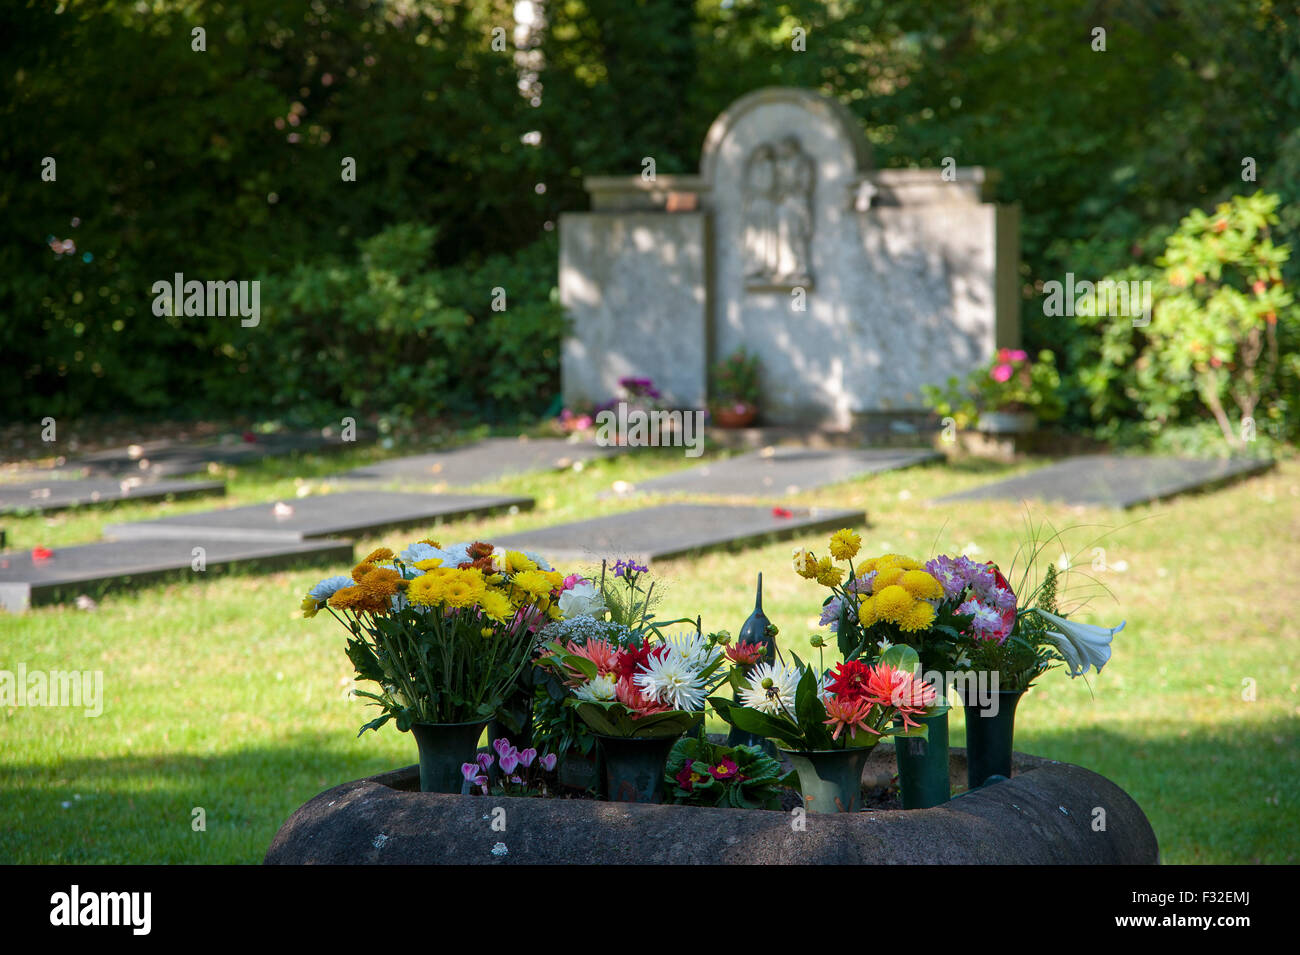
(854, 286)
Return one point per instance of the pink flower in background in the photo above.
(1001, 373)
(548, 762)
(1018, 355)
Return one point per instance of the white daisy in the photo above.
(771, 688)
(671, 679)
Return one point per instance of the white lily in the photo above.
(1083, 645)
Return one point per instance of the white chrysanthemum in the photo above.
(671, 679)
(771, 688)
(694, 648)
(599, 689)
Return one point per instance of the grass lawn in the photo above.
(217, 695)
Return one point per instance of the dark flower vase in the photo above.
(923, 765)
(444, 748)
(989, 738)
(634, 768)
(830, 779)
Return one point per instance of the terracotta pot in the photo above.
(739, 415)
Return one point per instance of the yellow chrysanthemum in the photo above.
(845, 544)
(534, 583)
(427, 591)
(892, 603)
(886, 576)
(496, 605)
(828, 575)
(460, 591)
(867, 613)
(517, 563)
(431, 563)
(383, 553)
(309, 606)
(920, 616)
(921, 585)
(805, 564)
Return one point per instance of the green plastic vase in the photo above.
(989, 734)
(923, 765)
(444, 748)
(634, 767)
(830, 779)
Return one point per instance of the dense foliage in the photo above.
(226, 163)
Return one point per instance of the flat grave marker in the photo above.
(26, 581)
(777, 472)
(60, 494)
(1107, 480)
(672, 530)
(344, 514)
(481, 461)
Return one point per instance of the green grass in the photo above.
(217, 695)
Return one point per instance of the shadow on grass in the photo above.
(1211, 798)
(141, 808)
(1221, 797)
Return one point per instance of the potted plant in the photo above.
(1005, 649)
(445, 635)
(827, 723)
(640, 688)
(875, 604)
(703, 773)
(735, 390)
(1009, 395)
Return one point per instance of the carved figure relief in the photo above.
(778, 219)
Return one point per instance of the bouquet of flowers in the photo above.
(625, 676)
(883, 601)
(855, 706)
(444, 633)
(1035, 639)
(702, 773)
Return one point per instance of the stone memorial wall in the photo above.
(854, 286)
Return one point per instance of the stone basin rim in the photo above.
(1044, 815)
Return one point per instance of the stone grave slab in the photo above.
(157, 459)
(481, 461)
(68, 571)
(775, 472)
(672, 530)
(345, 514)
(56, 495)
(1104, 480)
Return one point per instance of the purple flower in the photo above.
(472, 775)
(624, 567)
(831, 614)
(861, 585)
(526, 757)
(548, 762)
(484, 760)
(503, 747)
(509, 761)
(516, 779)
